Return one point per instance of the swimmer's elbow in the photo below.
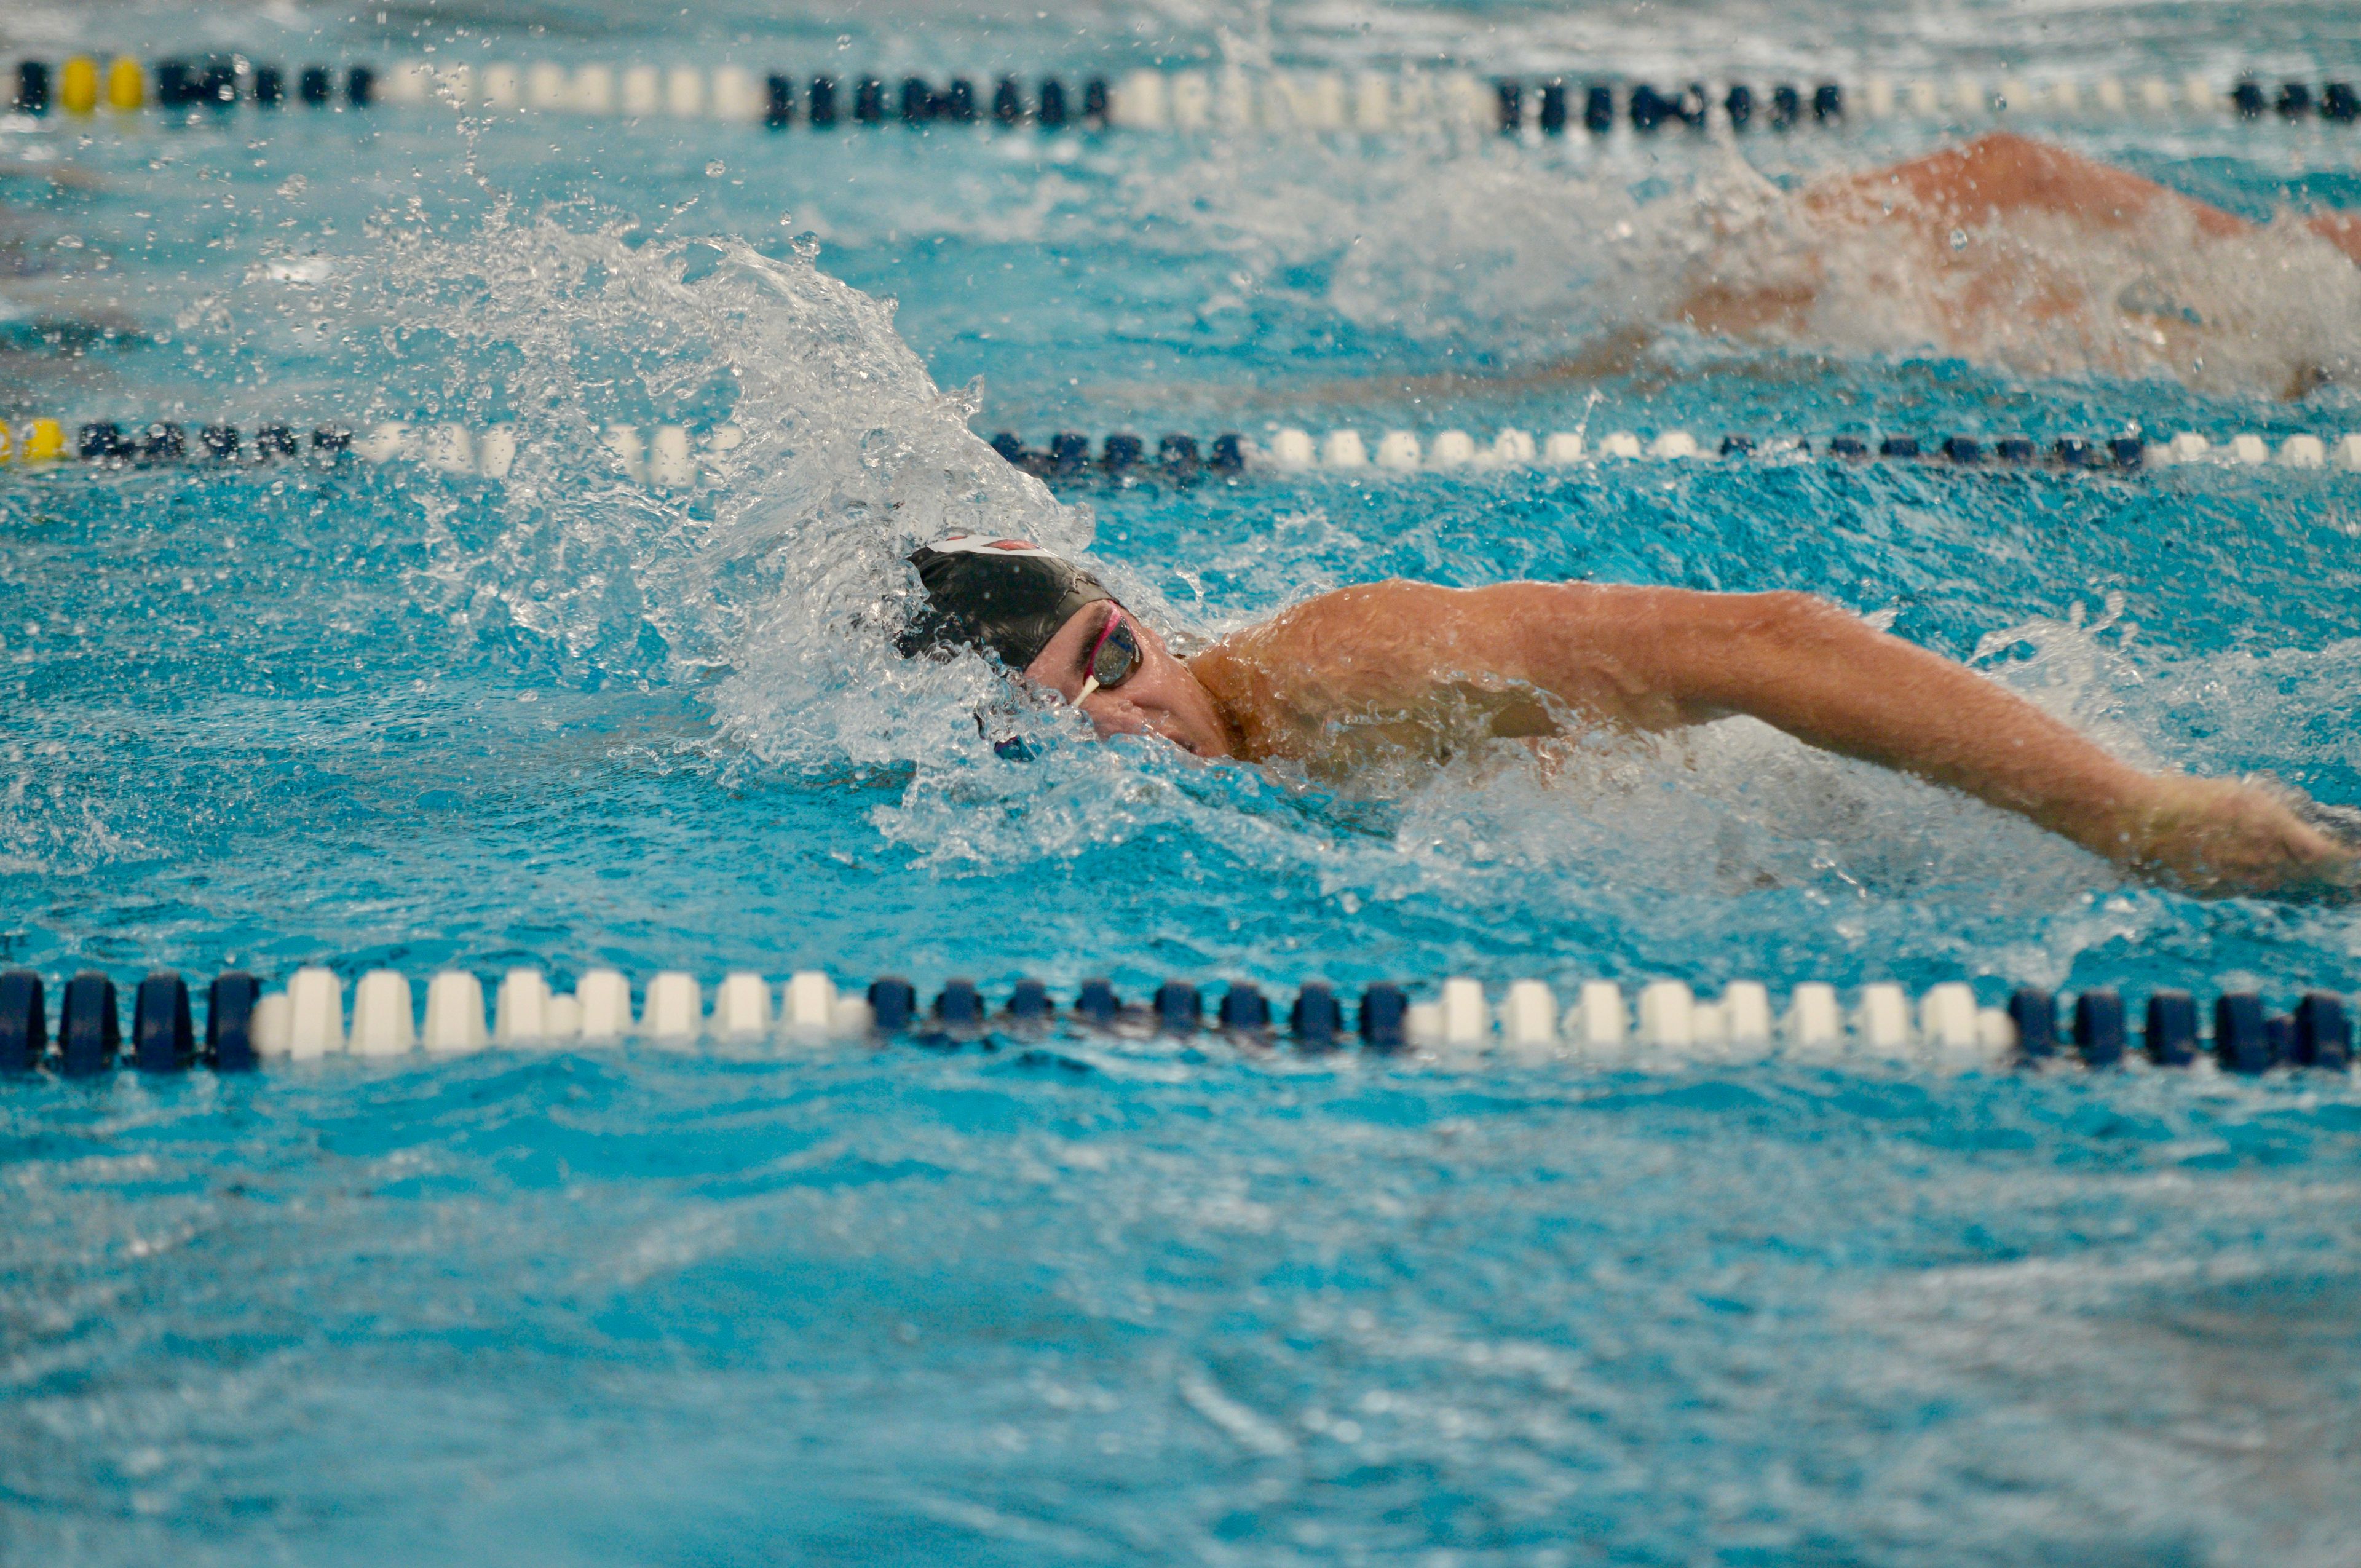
(1762, 643)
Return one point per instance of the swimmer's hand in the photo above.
(2225, 836)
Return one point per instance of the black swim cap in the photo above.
(1000, 594)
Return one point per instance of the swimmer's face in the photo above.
(1162, 697)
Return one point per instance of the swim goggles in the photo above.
(1115, 657)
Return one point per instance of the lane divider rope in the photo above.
(670, 457)
(1226, 98)
(306, 1018)
(1347, 451)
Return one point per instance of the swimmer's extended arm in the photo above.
(1828, 678)
(1659, 658)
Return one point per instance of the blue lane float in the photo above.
(248, 1026)
(2171, 1039)
(1096, 1006)
(2323, 1033)
(1180, 1008)
(1029, 1004)
(1316, 1019)
(1246, 1010)
(230, 1022)
(2099, 1027)
(24, 1023)
(161, 1037)
(959, 1007)
(2242, 1041)
(89, 1030)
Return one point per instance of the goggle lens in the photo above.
(1116, 657)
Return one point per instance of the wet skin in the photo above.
(1399, 669)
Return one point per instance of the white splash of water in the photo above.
(781, 584)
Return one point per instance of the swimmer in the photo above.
(1404, 669)
(2002, 251)
(2014, 251)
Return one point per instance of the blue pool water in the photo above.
(1083, 1299)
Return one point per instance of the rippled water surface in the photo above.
(1074, 1304)
(1074, 1298)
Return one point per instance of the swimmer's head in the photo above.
(1005, 596)
(1054, 624)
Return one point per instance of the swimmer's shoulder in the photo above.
(1362, 642)
(1398, 614)
(1282, 680)
(1368, 608)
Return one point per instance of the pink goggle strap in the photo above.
(1091, 664)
